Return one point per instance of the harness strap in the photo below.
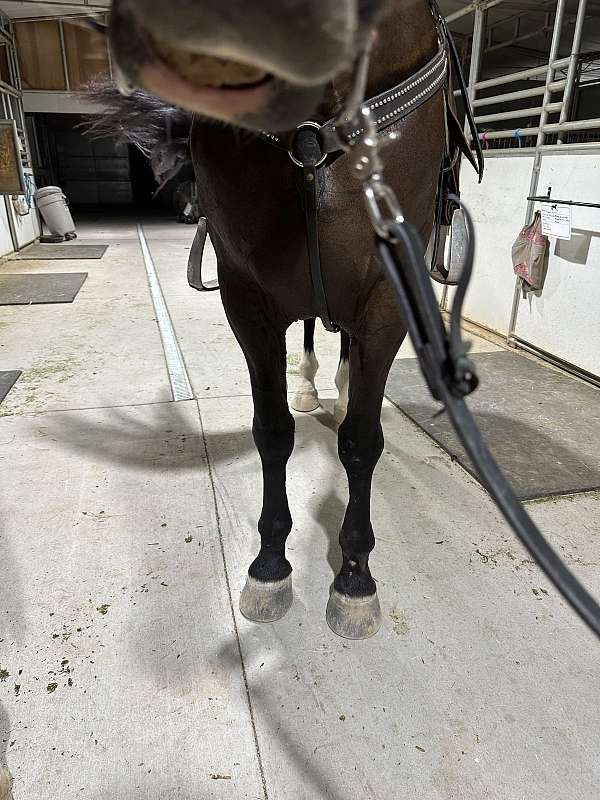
(312, 144)
(306, 152)
(389, 107)
(458, 74)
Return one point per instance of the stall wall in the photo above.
(497, 205)
(565, 319)
(26, 228)
(6, 242)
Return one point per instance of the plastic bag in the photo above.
(529, 254)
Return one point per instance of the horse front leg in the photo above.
(353, 609)
(267, 595)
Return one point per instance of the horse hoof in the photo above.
(305, 401)
(266, 601)
(353, 617)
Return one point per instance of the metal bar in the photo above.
(537, 162)
(517, 40)
(63, 53)
(571, 72)
(547, 199)
(510, 132)
(11, 222)
(61, 4)
(558, 19)
(538, 9)
(6, 88)
(576, 125)
(549, 127)
(574, 147)
(178, 375)
(518, 113)
(583, 374)
(466, 10)
(476, 51)
(556, 63)
(555, 86)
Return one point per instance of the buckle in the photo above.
(308, 125)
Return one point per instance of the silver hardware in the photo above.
(382, 206)
(308, 124)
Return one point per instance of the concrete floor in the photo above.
(128, 523)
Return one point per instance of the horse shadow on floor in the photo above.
(171, 439)
(167, 437)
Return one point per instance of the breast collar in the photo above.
(389, 108)
(314, 145)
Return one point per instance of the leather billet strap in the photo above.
(307, 154)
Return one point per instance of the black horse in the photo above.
(268, 66)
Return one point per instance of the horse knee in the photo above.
(274, 438)
(360, 446)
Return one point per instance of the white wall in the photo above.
(26, 228)
(6, 241)
(497, 205)
(565, 319)
(58, 103)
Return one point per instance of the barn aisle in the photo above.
(127, 523)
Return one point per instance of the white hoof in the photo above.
(6, 783)
(263, 601)
(353, 617)
(305, 401)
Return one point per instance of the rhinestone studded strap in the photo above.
(393, 105)
(388, 107)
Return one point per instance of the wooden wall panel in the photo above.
(87, 54)
(4, 68)
(39, 54)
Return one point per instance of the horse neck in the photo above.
(406, 39)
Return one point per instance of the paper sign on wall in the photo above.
(556, 220)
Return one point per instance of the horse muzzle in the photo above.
(256, 64)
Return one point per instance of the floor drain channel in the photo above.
(178, 376)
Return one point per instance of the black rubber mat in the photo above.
(7, 381)
(48, 287)
(542, 426)
(38, 252)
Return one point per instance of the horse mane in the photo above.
(161, 131)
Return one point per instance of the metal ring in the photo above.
(309, 124)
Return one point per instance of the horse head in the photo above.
(258, 65)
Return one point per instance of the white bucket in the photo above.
(53, 207)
